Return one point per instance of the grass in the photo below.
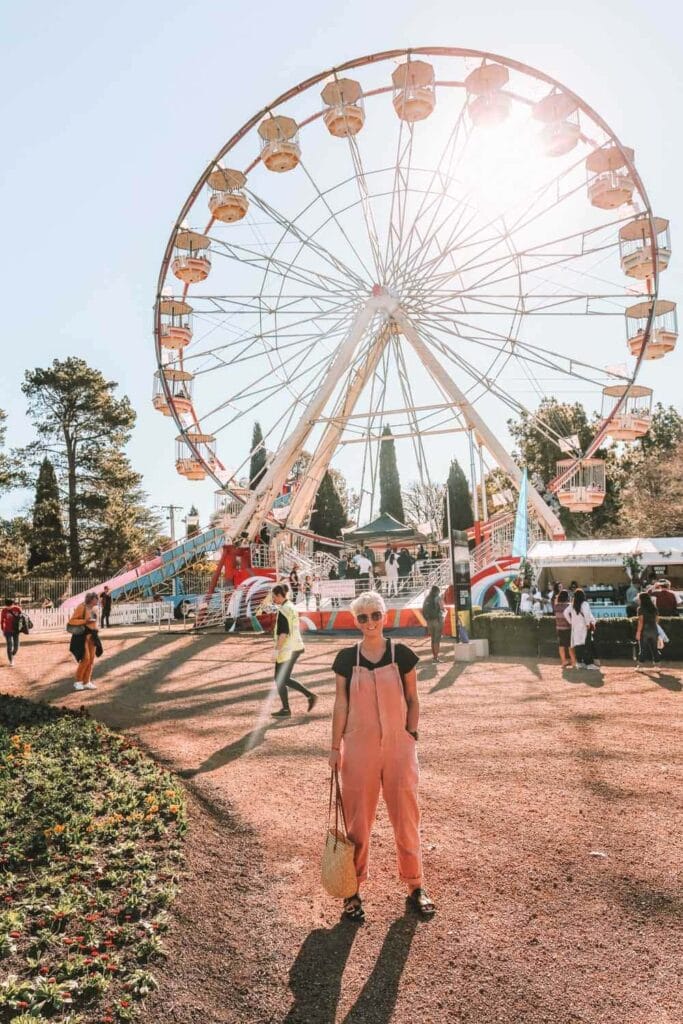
(90, 849)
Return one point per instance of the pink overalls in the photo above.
(377, 751)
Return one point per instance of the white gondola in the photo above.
(487, 105)
(194, 466)
(191, 262)
(609, 180)
(663, 333)
(561, 138)
(280, 150)
(584, 488)
(635, 246)
(179, 386)
(635, 414)
(414, 90)
(175, 324)
(227, 201)
(344, 114)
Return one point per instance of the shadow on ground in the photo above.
(316, 975)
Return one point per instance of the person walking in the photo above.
(374, 744)
(308, 590)
(646, 631)
(85, 641)
(564, 632)
(10, 622)
(391, 570)
(294, 583)
(581, 621)
(433, 610)
(105, 607)
(288, 648)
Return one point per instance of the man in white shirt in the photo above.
(364, 566)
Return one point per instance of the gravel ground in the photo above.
(551, 828)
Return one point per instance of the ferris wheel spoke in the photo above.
(289, 227)
(264, 335)
(450, 157)
(494, 267)
(287, 271)
(323, 198)
(366, 206)
(539, 354)
(555, 434)
(416, 438)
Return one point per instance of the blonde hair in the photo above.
(366, 602)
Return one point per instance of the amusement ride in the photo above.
(431, 239)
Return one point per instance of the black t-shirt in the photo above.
(282, 625)
(345, 661)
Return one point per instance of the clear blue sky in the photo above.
(110, 112)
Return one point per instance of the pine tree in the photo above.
(390, 500)
(83, 427)
(328, 516)
(192, 527)
(48, 555)
(461, 505)
(257, 466)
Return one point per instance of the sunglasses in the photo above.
(375, 616)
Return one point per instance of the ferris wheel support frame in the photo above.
(303, 500)
(550, 522)
(258, 506)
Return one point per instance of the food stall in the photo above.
(598, 567)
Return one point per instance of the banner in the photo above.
(336, 588)
(520, 544)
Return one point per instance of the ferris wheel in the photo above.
(432, 240)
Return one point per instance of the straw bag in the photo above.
(338, 869)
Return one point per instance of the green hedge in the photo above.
(524, 635)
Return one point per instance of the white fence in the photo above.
(51, 620)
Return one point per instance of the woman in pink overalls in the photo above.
(374, 742)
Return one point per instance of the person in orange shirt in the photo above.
(85, 641)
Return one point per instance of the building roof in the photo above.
(385, 527)
(608, 551)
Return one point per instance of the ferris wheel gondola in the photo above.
(388, 245)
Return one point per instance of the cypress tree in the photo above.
(48, 549)
(390, 500)
(328, 516)
(257, 466)
(461, 506)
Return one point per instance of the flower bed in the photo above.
(92, 836)
(524, 635)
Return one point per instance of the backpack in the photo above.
(22, 623)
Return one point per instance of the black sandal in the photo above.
(353, 908)
(421, 903)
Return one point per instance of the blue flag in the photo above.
(520, 543)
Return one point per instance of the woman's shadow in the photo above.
(316, 975)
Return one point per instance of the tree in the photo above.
(116, 526)
(328, 515)
(390, 500)
(652, 499)
(6, 475)
(48, 555)
(461, 505)
(259, 457)
(14, 535)
(540, 454)
(422, 503)
(192, 527)
(83, 427)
